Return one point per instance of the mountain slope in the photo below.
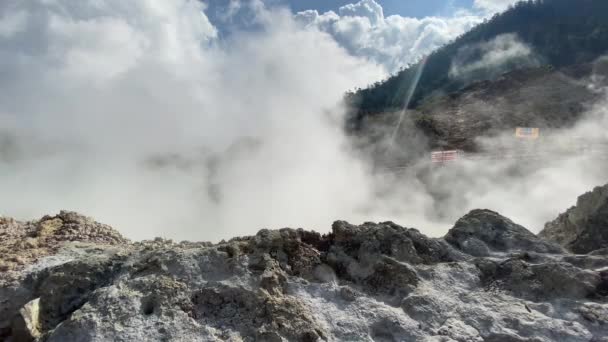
(542, 97)
(557, 33)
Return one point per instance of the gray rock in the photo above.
(482, 232)
(488, 280)
(538, 282)
(584, 227)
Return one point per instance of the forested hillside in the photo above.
(558, 33)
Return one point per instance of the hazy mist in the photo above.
(135, 114)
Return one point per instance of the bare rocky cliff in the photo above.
(68, 278)
(584, 227)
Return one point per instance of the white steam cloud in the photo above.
(136, 114)
(493, 6)
(93, 91)
(530, 182)
(493, 57)
(394, 41)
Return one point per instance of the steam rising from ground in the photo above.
(527, 181)
(133, 113)
(95, 94)
(492, 58)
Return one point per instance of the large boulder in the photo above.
(584, 227)
(24, 244)
(482, 232)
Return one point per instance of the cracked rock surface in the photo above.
(68, 278)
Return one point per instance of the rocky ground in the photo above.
(68, 278)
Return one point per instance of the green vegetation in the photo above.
(560, 33)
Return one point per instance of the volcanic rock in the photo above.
(68, 278)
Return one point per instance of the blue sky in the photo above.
(409, 8)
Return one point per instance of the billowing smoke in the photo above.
(133, 113)
(136, 114)
(529, 180)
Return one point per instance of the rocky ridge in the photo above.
(68, 278)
